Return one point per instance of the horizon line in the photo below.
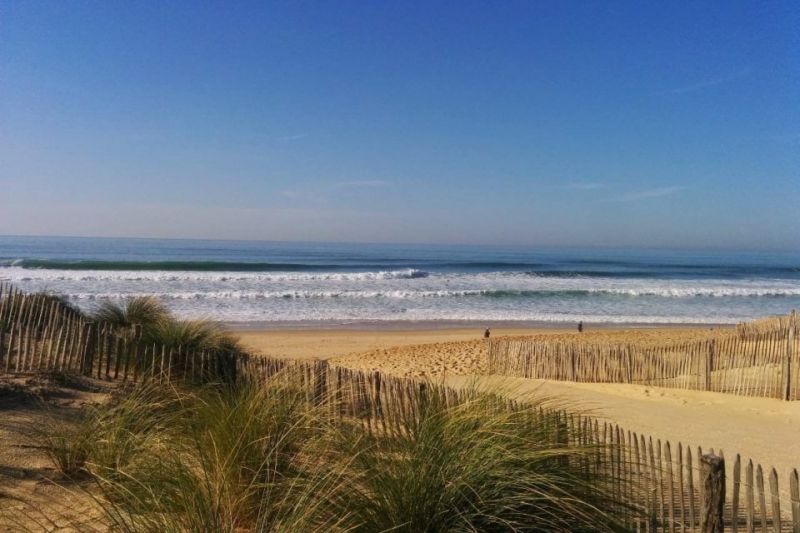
(708, 248)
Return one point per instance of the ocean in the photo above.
(340, 284)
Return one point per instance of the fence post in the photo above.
(707, 366)
(320, 381)
(787, 363)
(89, 350)
(629, 359)
(572, 369)
(712, 471)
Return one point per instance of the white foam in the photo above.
(409, 294)
(13, 273)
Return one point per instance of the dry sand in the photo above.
(33, 495)
(327, 343)
(765, 430)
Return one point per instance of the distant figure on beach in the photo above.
(486, 333)
(580, 326)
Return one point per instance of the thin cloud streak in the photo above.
(658, 192)
(699, 86)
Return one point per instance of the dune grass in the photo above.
(193, 335)
(144, 311)
(67, 444)
(110, 438)
(148, 318)
(267, 458)
(213, 459)
(475, 466)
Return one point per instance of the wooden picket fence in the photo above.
(762, 364)
(768, 325)
(40, 333)
(656, 486)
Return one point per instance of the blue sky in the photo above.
(541, 123)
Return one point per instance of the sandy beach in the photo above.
(418, 352)
(327, 343)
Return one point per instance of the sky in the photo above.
(660, 124)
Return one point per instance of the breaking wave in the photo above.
(412, 294)
(16, 273)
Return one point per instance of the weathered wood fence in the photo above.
(656, 486)
(763, 364)
(40, 333)
(768, 325)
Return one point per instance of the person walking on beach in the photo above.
(580, 326)
(486, 333)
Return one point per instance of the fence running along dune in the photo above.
(768, 325)
(656, 486)
(764, 364)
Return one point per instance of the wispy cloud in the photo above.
(712, 82)
(658, 192)
(586, 186)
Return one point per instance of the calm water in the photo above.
(284, 282)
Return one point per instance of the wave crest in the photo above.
(15, 273)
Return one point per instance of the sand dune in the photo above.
(762, 429)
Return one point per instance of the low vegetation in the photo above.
(149, 320)
(240, 455)
(143, 311)
(268, 457)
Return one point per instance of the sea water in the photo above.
(242, 281)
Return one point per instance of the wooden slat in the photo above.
(671, 487)
(775, 501)
(750, 498)
(762, 500)
(794, 496)
(737, 473)
(690, 487)
(681, 494)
